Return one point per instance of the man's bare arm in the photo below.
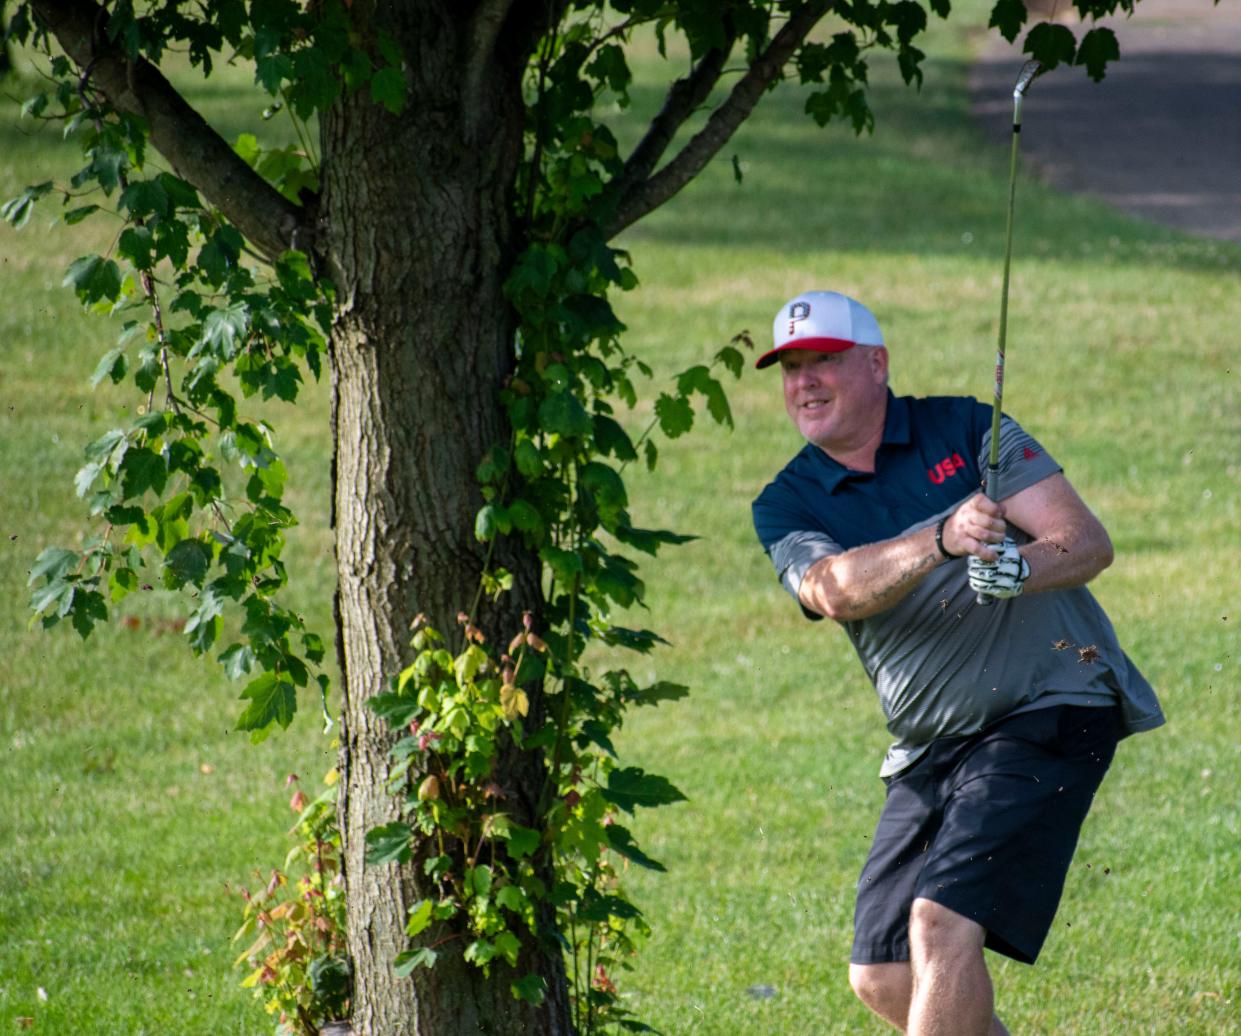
(1070, 545)
(870, 579)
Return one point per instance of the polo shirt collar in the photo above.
(895, 433)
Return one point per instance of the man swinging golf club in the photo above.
(1006, 716)
(998, 672)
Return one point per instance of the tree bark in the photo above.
(419, 237)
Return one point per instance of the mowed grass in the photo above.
(129, 805)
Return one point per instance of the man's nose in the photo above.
(806, 376)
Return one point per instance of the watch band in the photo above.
(939, 539)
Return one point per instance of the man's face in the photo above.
(836, 399)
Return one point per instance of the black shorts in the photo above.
(985, 825)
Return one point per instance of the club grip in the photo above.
(992, 485)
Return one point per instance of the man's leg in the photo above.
(885, 988)
(952, 993)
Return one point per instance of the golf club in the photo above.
(1029, 71)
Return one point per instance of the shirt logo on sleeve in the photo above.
(1028, 453)
(946, 468)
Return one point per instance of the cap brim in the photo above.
(814, 345)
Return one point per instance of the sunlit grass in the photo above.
(128, 803)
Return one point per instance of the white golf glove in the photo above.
(1004, 577)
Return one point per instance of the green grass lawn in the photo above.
(129, 807)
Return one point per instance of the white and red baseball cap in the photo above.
(823, 322)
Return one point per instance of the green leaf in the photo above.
(89, 607)
(112, 365)
(94, 278)
(54, 563)
(437, 866)
(622, 842)
(142, 469)
(237, 661)
(419, 917)
(528, 459)
(406, 962)
(493, 466)
(526, 517)
(564, 414)
(512, 898)
(492, 520)
(699, 379)
(121, 582)
(633, 787)
(224, 329)
(105, 448)
(732, 359)
(468, 663)
(676, 416)
(180, 194)
(1008, 16)
(532, 275)
(611, 438)
(522, 841)
(273, 699)
(247, 148)
(74, 216)
(509, 946)
(597, 909)
(1050, 45)
(55, 597)
(565, 564)
(17, 210)
(188, 561)
(532, 989)
(478, 879)
(650, 540)
(1097, 48)
(605, 485)
(397, 709)
(388, 843)
(145, 198)
(388, 89)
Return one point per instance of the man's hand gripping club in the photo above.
(977, 528)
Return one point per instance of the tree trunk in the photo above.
(419, 233)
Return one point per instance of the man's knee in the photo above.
(884, 988)
(936, 930)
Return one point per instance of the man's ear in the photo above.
(879, 363)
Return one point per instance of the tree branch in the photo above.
(646, 193)
(196, 152)
(684, 96)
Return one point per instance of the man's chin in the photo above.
(816, 432)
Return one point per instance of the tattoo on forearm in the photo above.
(905, 577)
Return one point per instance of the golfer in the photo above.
(1005, 714)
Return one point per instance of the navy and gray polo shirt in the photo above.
(942, 665)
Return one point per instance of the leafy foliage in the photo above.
(297, 958)
(494, 869)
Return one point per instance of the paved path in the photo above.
(1159, 137)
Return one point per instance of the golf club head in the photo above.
(1030, 71)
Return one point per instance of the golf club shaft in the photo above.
(991, 487)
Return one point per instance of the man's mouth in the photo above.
(815, 404)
